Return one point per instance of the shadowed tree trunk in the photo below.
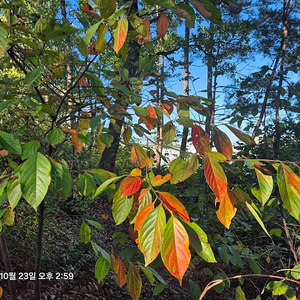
(109, 155)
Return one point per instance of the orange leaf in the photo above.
(130, 185)
(76, 141)
(150, 119)
(168, 106)
(139, 156)
(104, 216)
(200, 139)
(3, 153)
(215, 176)
(162, 25)
(119, 270)
(82, 82)
(226, 209)
(157, 180)
(120, 34)
(175, 251)
(142, 216)
(86, 8)
(173, 205)
(242, 136)
(222, 143)
(141, 40)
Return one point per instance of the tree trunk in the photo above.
(186, 88)
(109, 155)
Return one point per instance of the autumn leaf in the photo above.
(158, 180)
(75, 140)
(173, 205)
(120, 34)
(226, 210)
(86, 8)
(150, 234)
(134, 281)
(142, 216)
(139, 156)
(215, 176)
(130, 185)
(119, 270)
(175, 251)
(141, 39)
(200, 140)
(289, 188)
(3, 153)
(222, 143)
(162, 25)
(150, 119)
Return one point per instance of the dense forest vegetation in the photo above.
(149, 149)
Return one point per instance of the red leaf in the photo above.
(175, 251)
(150, 119)
(222, 143)
(82, 82)
(157, 180)
(200, 139)
(173, 205)
(162, 25)
(120, 34)
(139, 156)
(86, 8)
(130, 185)
(141, 40)
(119, 270)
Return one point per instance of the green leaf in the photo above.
(195, 290)
(242, 136)
(148, 274)
(10, 143)
(199, 241)
(224, 254)
(13, 190)
(157, 275)
(55, 137)
(296, 275)
(61, 179)
(101, 43)
(33, 77)
(181, 169)
(150, 235)
(158, 289)
(256, 269)
(106, 184)
(239, 294)
(85, 184)
(107, 7)
(40, 25)
(221, 286)
(30, 149)
(85, 233)
(3, 41)
(256, 216)
(134, 281)
(265, 187)
(35, 179)
(168, 132)
(90, 32)
(96, 224)
(138, 25)
(6, 103)
(9, 217)
(82, 46)
(121, 207)
(186, 12)
(102, 268)
(277, 287)
(163, 3)
(96, 84)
